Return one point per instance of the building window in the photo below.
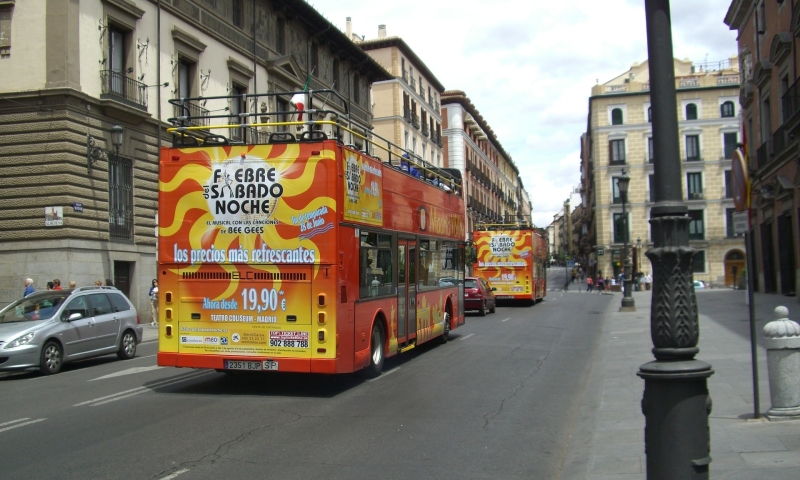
(116, 60)
(651, 183)
(650, 149)
(728, 184)
(729, 231)
(120, 198)
(620, 228)
(692, 148)
(615, 195)
(616, 152)
(696, 228)
(616, 116)
(238, 14)
(357, 89)
(731, 143)
(5, 29)
(699, 262)
(691, 111)
(727, 110)
(694, 185)
(314, 59)
(280, 36)
(649, 114)
(236, 108)
(285, 115)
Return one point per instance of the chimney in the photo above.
(349, 29)
(381, 31)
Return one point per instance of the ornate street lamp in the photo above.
(94, 152)
(628, 305)
(676, 403)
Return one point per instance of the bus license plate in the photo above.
(505, 297)
(270, 365)
(242, 365)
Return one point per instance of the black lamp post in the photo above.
(623, 181)
(676, 403)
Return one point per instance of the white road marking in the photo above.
(384, 374)
(506, 319)
(136, 391)
(24, 422)
(170, 477)
(464, 338)
(129, 371)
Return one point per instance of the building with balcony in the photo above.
(406, 109)
(75, 208)
(619, 138)
(770, 99)
(495, 193)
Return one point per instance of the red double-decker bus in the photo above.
(297, 252)
(512, 259)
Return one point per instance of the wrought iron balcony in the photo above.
(415, 120)
(412, 84)
(405, 76)
(407, 114)
(424, 130)
(791, 101)
(197, 115)
(764, 154)
(127, 90)
(779, 140)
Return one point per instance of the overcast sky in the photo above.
(529, 65)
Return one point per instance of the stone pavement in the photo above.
(149, 333)
(608, 437)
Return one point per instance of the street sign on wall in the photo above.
(741, 222)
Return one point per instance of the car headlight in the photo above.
(18, 342)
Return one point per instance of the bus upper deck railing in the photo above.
(191, 131)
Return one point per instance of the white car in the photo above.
(699, 284)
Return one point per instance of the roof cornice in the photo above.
(401, 45)
(738, 13)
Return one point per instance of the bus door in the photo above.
(406, 290)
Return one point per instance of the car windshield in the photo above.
(39, 306)
(470, 283)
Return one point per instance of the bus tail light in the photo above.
(321, 350)
(168, 313)
(321, 335)
(321, 318)
(169, 330)
(321, 300)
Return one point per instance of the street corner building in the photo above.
(619, 138)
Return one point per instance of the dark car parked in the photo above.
(478, 295)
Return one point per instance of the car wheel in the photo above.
(127, 346)
(494, 306)
(482, 311)
(52, 358)
(376, 356)
(446, 335)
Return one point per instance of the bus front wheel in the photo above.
(376, 356)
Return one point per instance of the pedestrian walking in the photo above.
(56, 284)
(589, 284)
(600, 284)
(154, 302)
(50, 285)
(109, 283)
(98, 283)
(28, 287)
(607, 284)
(72, 284)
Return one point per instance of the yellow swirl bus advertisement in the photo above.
(505, 261)
(363, 196)
(242, 233)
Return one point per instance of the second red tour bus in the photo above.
(303, 254)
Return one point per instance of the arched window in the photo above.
(727, 109)
(650, 114)
(691, 111)
(616, 116)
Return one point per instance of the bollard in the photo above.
(782, 340)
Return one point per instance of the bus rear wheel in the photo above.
(376, 356)
(446, 335)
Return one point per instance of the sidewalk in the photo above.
(149, 333)
(608, 438)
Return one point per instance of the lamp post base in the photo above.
(676, 406)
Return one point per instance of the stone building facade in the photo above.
(495, 192)
(75, 69)
(770, 97)
(619, 138)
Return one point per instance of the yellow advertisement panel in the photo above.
(363, 195)
(505, 261)
(243, 339)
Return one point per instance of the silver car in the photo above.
(47, 329)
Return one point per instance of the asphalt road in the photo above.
(500, 400)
